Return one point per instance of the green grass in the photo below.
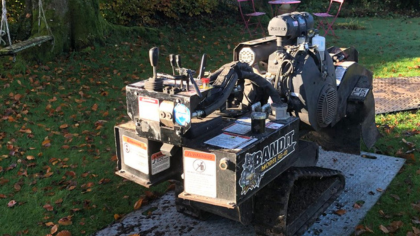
(388, 47)
(76, 100)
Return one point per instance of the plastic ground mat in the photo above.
(396, 94)
(364, 176)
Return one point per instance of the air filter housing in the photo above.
(327, 106)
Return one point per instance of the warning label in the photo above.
(135, 154)
(160, 162)
(149, 108)
(200, 173)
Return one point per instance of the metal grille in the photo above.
(396, 94)
(327, 106)
(246, 55)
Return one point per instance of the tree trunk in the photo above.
(74, 24)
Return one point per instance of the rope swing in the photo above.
(13, 49)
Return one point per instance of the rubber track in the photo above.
(272, 202)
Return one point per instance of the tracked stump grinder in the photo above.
(243, 142)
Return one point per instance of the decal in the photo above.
(182, 114)
(228, 140)
(238, 128)
(258, 163)
(149, 108)
(135, 154)
(160, 162)
(360, 92)
(200, 173)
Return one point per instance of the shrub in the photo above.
(148, 12)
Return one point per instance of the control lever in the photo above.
(178, 61)
(154, 83)
(154, 57)
(200, 74)
(197, 90)
(202, 67)
(173, 63)
(178, 64)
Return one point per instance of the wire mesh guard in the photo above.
(396, 94)
(364, 179)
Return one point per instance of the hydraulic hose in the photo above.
(236, 72)
(264, 84)
(224, 94)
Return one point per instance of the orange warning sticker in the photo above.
(134, 142)
(200, 155)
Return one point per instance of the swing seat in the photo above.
(15, 48)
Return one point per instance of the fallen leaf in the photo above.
(63, 126)
(137, 205)
(46, 143)
(72, 187)
(12, 203)
(48, 174)
(59, 201)
(54, 229)
(394, 226)
(26, 131)
(64, 233)
(369, 230)
(2, 196)
(48, 207)
(17, 186)
(150, 195)
(30, 158)
(65, 221)
(396, 197)
(383, 229)
(49, 224)
(71, 173)
(104, 181)
(357, 206)
(75, 209)
(170, 187)
(340, 212)
(95, 107)
(117, 216)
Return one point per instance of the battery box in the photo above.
(140, 160)
(228, 167)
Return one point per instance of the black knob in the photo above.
(154, 56)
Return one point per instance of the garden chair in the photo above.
(325, 21)
(247, 17)
(284, 5)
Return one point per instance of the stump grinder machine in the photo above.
(242, 142)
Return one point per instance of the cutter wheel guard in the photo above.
(242, 142)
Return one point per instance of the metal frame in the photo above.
(324, 23)
(246, 17)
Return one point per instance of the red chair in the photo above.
(247, 17)
(324, 18)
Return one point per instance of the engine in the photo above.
(320, 86)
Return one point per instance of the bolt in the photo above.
(162, 115)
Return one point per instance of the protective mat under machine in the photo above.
(396, 94)
(365, 175)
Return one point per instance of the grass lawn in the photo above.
(57, 151)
